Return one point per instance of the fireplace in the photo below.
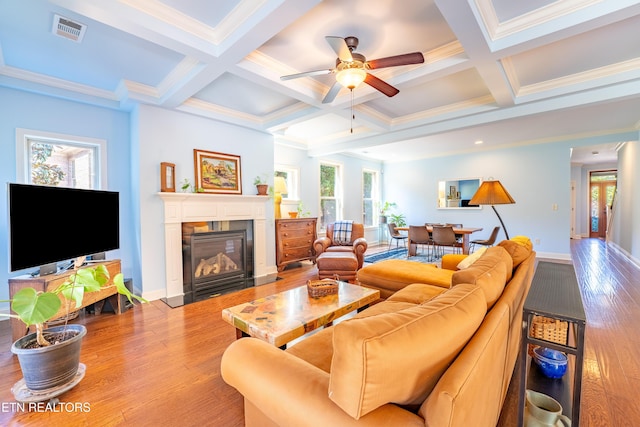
(217, 258)
(181, 208)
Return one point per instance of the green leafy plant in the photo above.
(186, 186)
(398, 219)
(36, 307)
(41, 171)
(260, 180)
(386, 207)
(302, 213)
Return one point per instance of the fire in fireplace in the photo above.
(217, 258)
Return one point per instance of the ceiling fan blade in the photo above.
(394, 61)
(381, 85)
(333, 92)
(340, 47)
(306, 74)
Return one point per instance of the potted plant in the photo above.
(260, 182)
(384, 210)
(398, 219)
(50, 357)
(302, 213)
(187, 187)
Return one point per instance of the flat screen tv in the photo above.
(54, 224)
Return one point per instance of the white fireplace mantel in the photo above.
(194, 207)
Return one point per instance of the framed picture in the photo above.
(217, 172)
(167, 177)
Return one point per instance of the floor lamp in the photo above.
(493, 193)
(279, 188)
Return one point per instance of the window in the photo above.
(60, 160)
(292, 177)
(330, 194)
(370, 191)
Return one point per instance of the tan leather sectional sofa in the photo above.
(429, 355)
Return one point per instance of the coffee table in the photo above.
(285, 316)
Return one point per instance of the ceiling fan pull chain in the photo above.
(353, 116)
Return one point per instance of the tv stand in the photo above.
(50, 282)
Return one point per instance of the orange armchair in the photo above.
(357, 244)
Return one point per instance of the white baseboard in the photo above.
(634, 260)
(553, 256)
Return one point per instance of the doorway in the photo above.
(602, 187)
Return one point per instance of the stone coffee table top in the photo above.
(285, 316)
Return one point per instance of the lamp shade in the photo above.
(351, 77)
(280, 185)
(491, 193)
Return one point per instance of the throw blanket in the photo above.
(342, 232)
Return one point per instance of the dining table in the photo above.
(465, 232)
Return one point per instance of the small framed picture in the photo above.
(217, 172)
(167, 177)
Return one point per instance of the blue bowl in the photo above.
(552, 363)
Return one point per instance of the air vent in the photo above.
(65, 27)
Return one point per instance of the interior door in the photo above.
(601, 196)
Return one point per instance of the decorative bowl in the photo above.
(552, 363)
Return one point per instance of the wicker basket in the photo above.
(321, 288)
(547, 329)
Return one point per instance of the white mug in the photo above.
(543, 411)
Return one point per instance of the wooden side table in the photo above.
(554, 294)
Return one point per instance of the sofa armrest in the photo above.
(359, 248)
(292, 392)
(321, 244)
(451, 261)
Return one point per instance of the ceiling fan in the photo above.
(352, 68)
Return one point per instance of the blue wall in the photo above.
(31, 111)
(536, 176)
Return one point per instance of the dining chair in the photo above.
(486, 242)
(443, 236)
(418, 235)
(396, 235)
(459, 237)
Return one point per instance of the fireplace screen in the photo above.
(218, 263)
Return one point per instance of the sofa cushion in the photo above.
(469, 260)
(395, 274)
(519, 248)
(416, 293)
(491, 273)
(399, 357)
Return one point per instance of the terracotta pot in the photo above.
(262, 189)
(293, 214)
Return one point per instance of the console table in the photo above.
(554, 294)
(51, 282)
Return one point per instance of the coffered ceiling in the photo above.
(504, 72)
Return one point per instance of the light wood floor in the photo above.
(154, 365)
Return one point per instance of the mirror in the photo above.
(456, 193)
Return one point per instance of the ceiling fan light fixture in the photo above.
(351, 77)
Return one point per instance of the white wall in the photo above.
(310, 181)
(169, 136)
(626, 222)
(536, 176)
